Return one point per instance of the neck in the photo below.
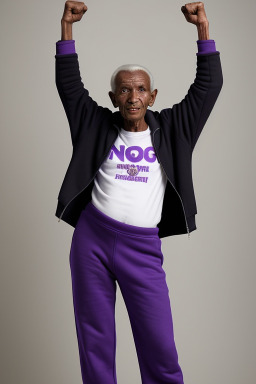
(135, 126)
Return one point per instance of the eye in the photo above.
(142, 89)
(124, 90)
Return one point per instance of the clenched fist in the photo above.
(195, 13)
(73, 11)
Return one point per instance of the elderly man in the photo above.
(129, 184)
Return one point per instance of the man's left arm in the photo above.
(190, 115)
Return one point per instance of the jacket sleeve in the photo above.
(76, 101)
(190, 115)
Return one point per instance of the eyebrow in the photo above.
(124, 85)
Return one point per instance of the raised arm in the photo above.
(77, 103)
(195, 14)
(73, 12)
(190, 115)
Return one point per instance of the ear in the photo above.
(153, 97)
(113, 99)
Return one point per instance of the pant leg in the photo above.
(142, 282)
(94, 296)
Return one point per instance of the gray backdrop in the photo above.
(211, 277)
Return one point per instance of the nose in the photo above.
(132, 97)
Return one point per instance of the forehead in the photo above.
(139, 76)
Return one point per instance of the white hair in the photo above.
(131, 68)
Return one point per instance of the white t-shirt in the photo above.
(130, 184)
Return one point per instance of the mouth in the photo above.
(132, 110)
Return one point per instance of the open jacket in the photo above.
(174, 133)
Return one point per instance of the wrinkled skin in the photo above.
(133, 96)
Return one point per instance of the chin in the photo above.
(134, 118)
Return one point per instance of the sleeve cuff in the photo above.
(206, 46)
(64, 47)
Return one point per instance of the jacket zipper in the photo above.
(87, 183)
(173, 187)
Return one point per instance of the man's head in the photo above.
(132, 91)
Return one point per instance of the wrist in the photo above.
(66, 30)
(203, 31)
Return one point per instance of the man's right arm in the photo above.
(73, 12)
(76, 101)
(66, 45)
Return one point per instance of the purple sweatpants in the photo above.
(103, 251)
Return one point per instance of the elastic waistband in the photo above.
(96, 214)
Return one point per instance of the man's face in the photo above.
(133, 95)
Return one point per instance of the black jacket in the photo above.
(174, 132)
